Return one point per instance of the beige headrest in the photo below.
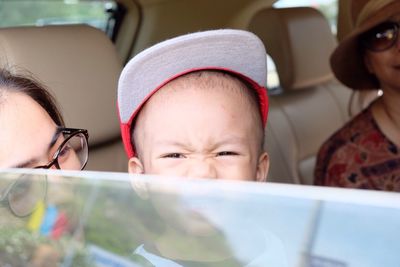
(78, 64)
(300, 41)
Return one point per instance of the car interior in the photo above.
(78, 48)
(81, 64)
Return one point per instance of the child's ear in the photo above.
(262, 167)
(135, 166)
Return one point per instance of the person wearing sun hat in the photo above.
(196, 106)
(365, 152)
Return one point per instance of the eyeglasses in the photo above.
(24, 194)
(28, 190)
(72, 153)
(381, 37)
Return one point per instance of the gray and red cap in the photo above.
(237, 52)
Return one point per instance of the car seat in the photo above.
(312, 105)
(80, 66)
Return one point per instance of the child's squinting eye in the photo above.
(174, 155)
(227, 153)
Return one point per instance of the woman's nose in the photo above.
(202, 168)
(53, 167)
(45, 162)
(397, 44)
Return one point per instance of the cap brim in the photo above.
(235, 51)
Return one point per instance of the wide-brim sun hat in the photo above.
(237, 52)
(347, 61)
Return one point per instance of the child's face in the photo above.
(201, 133)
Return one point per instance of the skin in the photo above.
(28, 138)
(385, 65)
(201, 130)
(23, 143)
(202, 127)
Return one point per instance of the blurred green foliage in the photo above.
(330, 10)
(115, 222)
(18, 247)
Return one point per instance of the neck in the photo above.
(386, 113)
(391, 106)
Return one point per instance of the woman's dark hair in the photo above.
(26, 84)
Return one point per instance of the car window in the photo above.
(54, 218)
(272, 77)
(21, 13)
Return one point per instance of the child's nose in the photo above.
(202, 168)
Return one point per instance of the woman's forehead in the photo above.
(26, 128)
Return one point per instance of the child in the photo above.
(196, 106)
(208, 120)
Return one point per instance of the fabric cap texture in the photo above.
(347, 61)
(235, 51)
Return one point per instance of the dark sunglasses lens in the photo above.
(74, 153)
(381, 37)
(26, 194)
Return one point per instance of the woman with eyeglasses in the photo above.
(32, 132)
(365, 153)
(33, 135)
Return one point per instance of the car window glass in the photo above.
(55, 218)
(95, 13)
(272, 77)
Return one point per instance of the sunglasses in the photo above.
(381, 37)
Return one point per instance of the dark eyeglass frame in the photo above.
(71, 132)
(371, 34)
(4, 198)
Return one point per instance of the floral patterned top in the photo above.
(359, 155)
